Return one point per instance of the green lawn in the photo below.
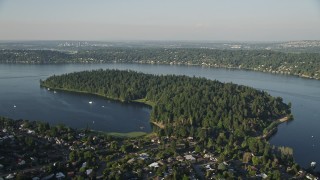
(117, 134)
(129, 134)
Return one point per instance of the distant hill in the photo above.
(299, 64)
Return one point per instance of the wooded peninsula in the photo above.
(184, 105)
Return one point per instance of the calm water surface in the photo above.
(19, 86)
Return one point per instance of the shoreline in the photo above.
(175, 64)
(273, 127)
(136, 101)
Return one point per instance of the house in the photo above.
(33, 159)
(311, 177)
(179, 158)
(10, 176)
(81, 135)
(301, 172)
(60, 175)
(262, 175)
(30, 131)
(21, 162)
(88, 172)
(130, 161)
(189, 157)
(143, 156)
(254, 168)
(169, 160)
(208, 155)
(57, 141)
(308, 177)
(214, 159)
(161, 162)
(208, 167)
(154, 165)
(48, 138)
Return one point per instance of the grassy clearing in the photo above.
(129, 134)
(121, 135)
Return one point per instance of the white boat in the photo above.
(48, 89)
(14, 106)
(55, 92)
(90, 102)
(313, 164)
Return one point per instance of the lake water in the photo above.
(20, 87)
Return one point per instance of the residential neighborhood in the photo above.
(38, 151)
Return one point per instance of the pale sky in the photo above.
(209, 20)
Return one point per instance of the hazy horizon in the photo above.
(155, 41)
(151, 20)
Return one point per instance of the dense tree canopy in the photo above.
(187, 106)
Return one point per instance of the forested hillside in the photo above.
(183, 106)
(33, 56)
(300, 64)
